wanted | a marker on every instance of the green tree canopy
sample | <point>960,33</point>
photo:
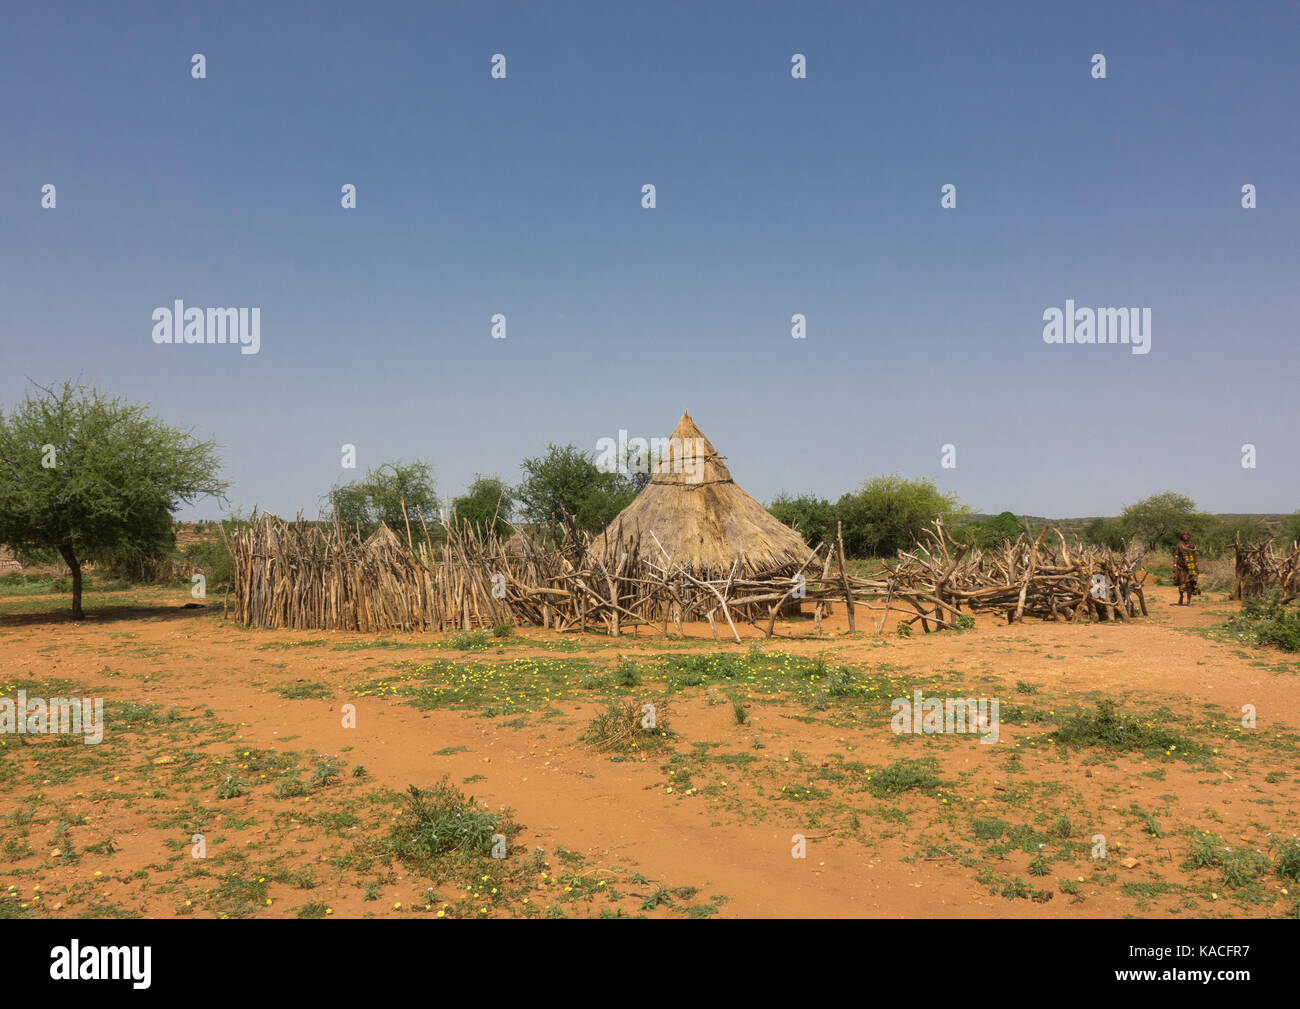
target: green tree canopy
<point>890,513</point>
<point>96,478</point>
<point>486,505</point>
<point>1157,520</point>
<point>1104,532</point>
<point>813,517</point>
<point>378,497</point>
<point>1291,530</point>
<point>567,479</point>
<point>991,532</point>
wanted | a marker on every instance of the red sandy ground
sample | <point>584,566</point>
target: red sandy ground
<point>620,812</point>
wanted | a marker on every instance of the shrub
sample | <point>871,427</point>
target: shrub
<point>440,822</point>
<point>620,728</point>
<point>468,641</point>
<point>380,495</point>
<point>231,788</point>
<point>813,517</point>
<point>1267,623</point>
<point>288,788</point>
<point>326,772</point>
<point>889,513</point>
<point>1158,519</point>
<point>1111,729</point>
<point>211,558</point>
<point>991,532</point>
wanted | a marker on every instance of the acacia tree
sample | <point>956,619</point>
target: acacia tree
<point>380,497</point>
<point>95,477</point>
<point>890,513</point>
<point>566,479</point>
<point>486,505</point>
<point>1157,520</point>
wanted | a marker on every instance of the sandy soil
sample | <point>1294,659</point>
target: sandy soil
<point>623,816</point>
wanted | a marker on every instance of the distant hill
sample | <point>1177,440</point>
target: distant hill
<point>1271,520</point>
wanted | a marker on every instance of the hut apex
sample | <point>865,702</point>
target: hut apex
<point>695,513</point>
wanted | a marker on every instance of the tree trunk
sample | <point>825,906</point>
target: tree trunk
<point>74,565</point>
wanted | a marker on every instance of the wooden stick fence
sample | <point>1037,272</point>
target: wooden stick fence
<point>321,576</point>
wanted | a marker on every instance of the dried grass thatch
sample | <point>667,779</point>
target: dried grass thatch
<point>697,517</point>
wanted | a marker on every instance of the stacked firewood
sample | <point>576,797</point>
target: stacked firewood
<point>1261,568</point>
<point>1030,576</point>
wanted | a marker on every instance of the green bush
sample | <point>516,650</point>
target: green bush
<point>1111,729</point>
<point>991,533</point>
<point>486,505</point>
<point>904,775</point>
<point>566,480</point>
<point>212,559</point>
<point>1103,532</point>
<point>441,821</point>
<point>1267,623</point>
<point>813,517</point>
<point>890,513</point>
<point>1157,520</point>
<point>380,495</point>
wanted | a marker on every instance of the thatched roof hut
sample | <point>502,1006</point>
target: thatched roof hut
<point>701,517</point>
<point>383,540</point>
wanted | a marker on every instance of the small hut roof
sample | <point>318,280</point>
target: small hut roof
<point>700,516</point>
<point>383,538</point>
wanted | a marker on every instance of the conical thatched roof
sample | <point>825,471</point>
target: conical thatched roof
<point>382,539</point>
<point>701,516</point>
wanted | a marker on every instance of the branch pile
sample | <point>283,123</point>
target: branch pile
<point>1262,568</point>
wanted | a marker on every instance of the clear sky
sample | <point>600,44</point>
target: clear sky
<point>775,196</point>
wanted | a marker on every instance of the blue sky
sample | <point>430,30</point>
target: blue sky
<point>775,196</point>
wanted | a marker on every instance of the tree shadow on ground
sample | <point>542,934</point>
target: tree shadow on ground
<point>103,615</point>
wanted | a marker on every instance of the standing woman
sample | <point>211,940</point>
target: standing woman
<point>1185,568</point>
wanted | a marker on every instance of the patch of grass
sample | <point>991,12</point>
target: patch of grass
<point>626,725</point>
<point>1267,623</point>
<point>988,830</point>
<point>303,691</point>
<point>468,641</point>
<point>1239,867</point>
<point>326,772</point>
<point>288,788</point>
<point>1109,728</point>
<point>442,822</point>
<point>904,775</point>
<point>231,788</point>
<point>1016,889</point>
<point>1287,861</point>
